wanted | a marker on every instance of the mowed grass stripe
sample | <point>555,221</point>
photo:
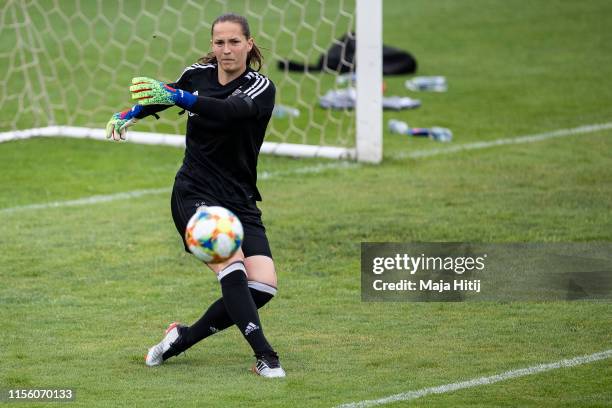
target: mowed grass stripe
<point>98,199</point>
<point>267,175</point>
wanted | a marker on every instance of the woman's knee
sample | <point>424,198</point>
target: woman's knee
<point>260,268</point>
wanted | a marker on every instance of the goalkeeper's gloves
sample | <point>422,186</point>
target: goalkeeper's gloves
<point>152,92</point>
<point>116,128</point>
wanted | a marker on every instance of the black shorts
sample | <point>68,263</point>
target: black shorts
<point>186,199</point>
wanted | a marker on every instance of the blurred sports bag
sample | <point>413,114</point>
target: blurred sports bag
<point>341,58</point>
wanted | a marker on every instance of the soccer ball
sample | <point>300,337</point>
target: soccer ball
<point>214,234</point>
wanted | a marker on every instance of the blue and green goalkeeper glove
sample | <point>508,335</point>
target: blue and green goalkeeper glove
<point>152,92</point>
<point>116,128</point>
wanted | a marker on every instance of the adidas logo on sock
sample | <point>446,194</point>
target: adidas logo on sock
<point>213,329</point>
<point>251,327</point>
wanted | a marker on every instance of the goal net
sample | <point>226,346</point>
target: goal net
<point>68,64</point>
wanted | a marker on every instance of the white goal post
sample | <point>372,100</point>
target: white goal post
<point>369,92</point>
<point>67,66</point>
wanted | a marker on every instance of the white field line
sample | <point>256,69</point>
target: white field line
<point>418,154</point>
<point>476,382</point>
<point>97,199</point>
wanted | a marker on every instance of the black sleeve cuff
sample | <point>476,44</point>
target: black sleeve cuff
<point>149,110</point>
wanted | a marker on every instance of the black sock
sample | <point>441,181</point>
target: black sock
<point>241,307</point>
<point>216,318</point>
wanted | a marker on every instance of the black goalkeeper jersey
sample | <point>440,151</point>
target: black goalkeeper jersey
<point>225,130</point>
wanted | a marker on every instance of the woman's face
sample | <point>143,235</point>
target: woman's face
<point>230,46</point>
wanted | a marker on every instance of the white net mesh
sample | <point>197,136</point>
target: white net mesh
<point>70,62</point>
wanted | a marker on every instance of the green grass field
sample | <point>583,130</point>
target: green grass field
<point>86,289</point>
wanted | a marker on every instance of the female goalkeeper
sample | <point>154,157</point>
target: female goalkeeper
<point>229,106</point>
